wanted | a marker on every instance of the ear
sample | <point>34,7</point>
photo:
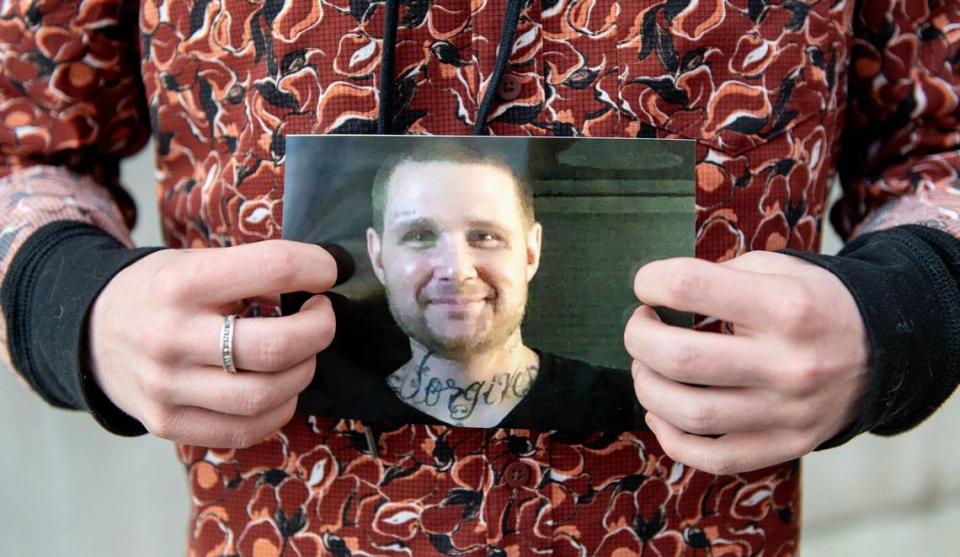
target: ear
<point>534,242</point>
<point>374,250</point>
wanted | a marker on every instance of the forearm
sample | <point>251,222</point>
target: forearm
<point>899,165</point>
<point>906,282</point>
<point>63,239</point>
<point>37,196</point>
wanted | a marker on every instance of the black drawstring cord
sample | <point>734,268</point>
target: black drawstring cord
<point>388,49</point>
<point>504,49</point>
<point>384,117</point>
<point>385,112</point>
<point>387,63</point>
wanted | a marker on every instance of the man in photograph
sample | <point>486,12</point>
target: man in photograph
<point>455,244</point>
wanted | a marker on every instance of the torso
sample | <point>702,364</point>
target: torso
<point>758,86</point>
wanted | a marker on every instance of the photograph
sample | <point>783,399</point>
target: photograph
<point>479,278</point>
<point>492,277</point>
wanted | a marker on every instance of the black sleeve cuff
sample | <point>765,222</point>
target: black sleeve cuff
<point>905,282</point>
<point>47,295</point>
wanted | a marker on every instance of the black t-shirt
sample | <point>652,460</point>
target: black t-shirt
<point>568,395</point>
<point>905,280</point>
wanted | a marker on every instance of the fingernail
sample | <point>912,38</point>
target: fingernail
<point>345,264</point>
<point>646,418</point>
<point>628,313</point>
<point>340,303</point>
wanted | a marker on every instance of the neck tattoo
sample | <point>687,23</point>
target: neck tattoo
<point>419,389</point>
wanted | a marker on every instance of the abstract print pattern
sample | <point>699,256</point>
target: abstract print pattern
<point>314,489</point>
<point>776,93</point>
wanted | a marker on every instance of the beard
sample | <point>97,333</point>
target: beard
<point>505,319</point>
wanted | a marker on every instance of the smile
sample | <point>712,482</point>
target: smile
<point>456,302</point>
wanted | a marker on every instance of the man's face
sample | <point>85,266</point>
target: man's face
<point>455,256</point>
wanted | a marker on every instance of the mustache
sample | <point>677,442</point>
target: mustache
<point>447,290</point>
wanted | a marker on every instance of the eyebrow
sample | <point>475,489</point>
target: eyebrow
<point>402,224</point>
<point>481,223</point>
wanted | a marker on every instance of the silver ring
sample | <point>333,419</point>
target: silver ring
<point>226,343</point>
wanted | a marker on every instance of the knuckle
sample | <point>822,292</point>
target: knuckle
<point>251,402</point>
<point>684,282</point>
<point>274,351</point>
<point>673,450</point>
<point>756,259</point>
<point>173,286</point>
<point>281,418</point>
<point>239,440</point>
<point>161,422</point>
<point>804,382</point>
<point>798,416</point>
<point>250,439</point>
<point>804,374</point>
<point>247,436</point>
<point>797,311</point>
<point>261,429</point>
<point>156,386</point>
<point>164,346</point>
<point>718,466</point>
<point>276,262</point>
<point>682,358</point>
<point>288,412</point>
<point>804,444</point>
<point>193,347</point>
<point>700,419</point>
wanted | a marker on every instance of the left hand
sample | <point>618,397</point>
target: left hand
<point>790,377</point>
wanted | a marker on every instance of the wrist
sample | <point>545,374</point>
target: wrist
<point>47,295</point>
<point>904,281</point>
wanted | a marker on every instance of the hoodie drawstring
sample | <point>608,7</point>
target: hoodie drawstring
<point>385,113</point>
<point>371,440</point>
<point>504,49</point>
<point>391,24</point>
<point>387,58</point>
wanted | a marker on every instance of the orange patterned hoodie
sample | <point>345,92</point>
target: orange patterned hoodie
<point>781,97</point>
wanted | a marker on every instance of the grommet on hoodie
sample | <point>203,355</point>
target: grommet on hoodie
<point>371,440</point>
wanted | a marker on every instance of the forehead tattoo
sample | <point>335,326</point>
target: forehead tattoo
<point>399,215</point>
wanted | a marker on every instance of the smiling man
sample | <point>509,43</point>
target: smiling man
<point>455,244</point>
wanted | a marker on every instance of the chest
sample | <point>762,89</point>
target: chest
<point>758,84</point>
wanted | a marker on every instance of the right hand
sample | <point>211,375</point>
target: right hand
<point>154,338</point>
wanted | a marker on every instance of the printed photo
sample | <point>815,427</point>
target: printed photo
<point>493,276</point>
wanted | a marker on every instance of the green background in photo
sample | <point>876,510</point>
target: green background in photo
<point>607,206</point>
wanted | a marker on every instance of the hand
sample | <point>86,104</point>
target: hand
<point>155,340</point>
<point>790,377</point>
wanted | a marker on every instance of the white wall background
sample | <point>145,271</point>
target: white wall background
<point>69,488</point>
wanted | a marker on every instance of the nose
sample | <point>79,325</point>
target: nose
<point>454,262</point>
